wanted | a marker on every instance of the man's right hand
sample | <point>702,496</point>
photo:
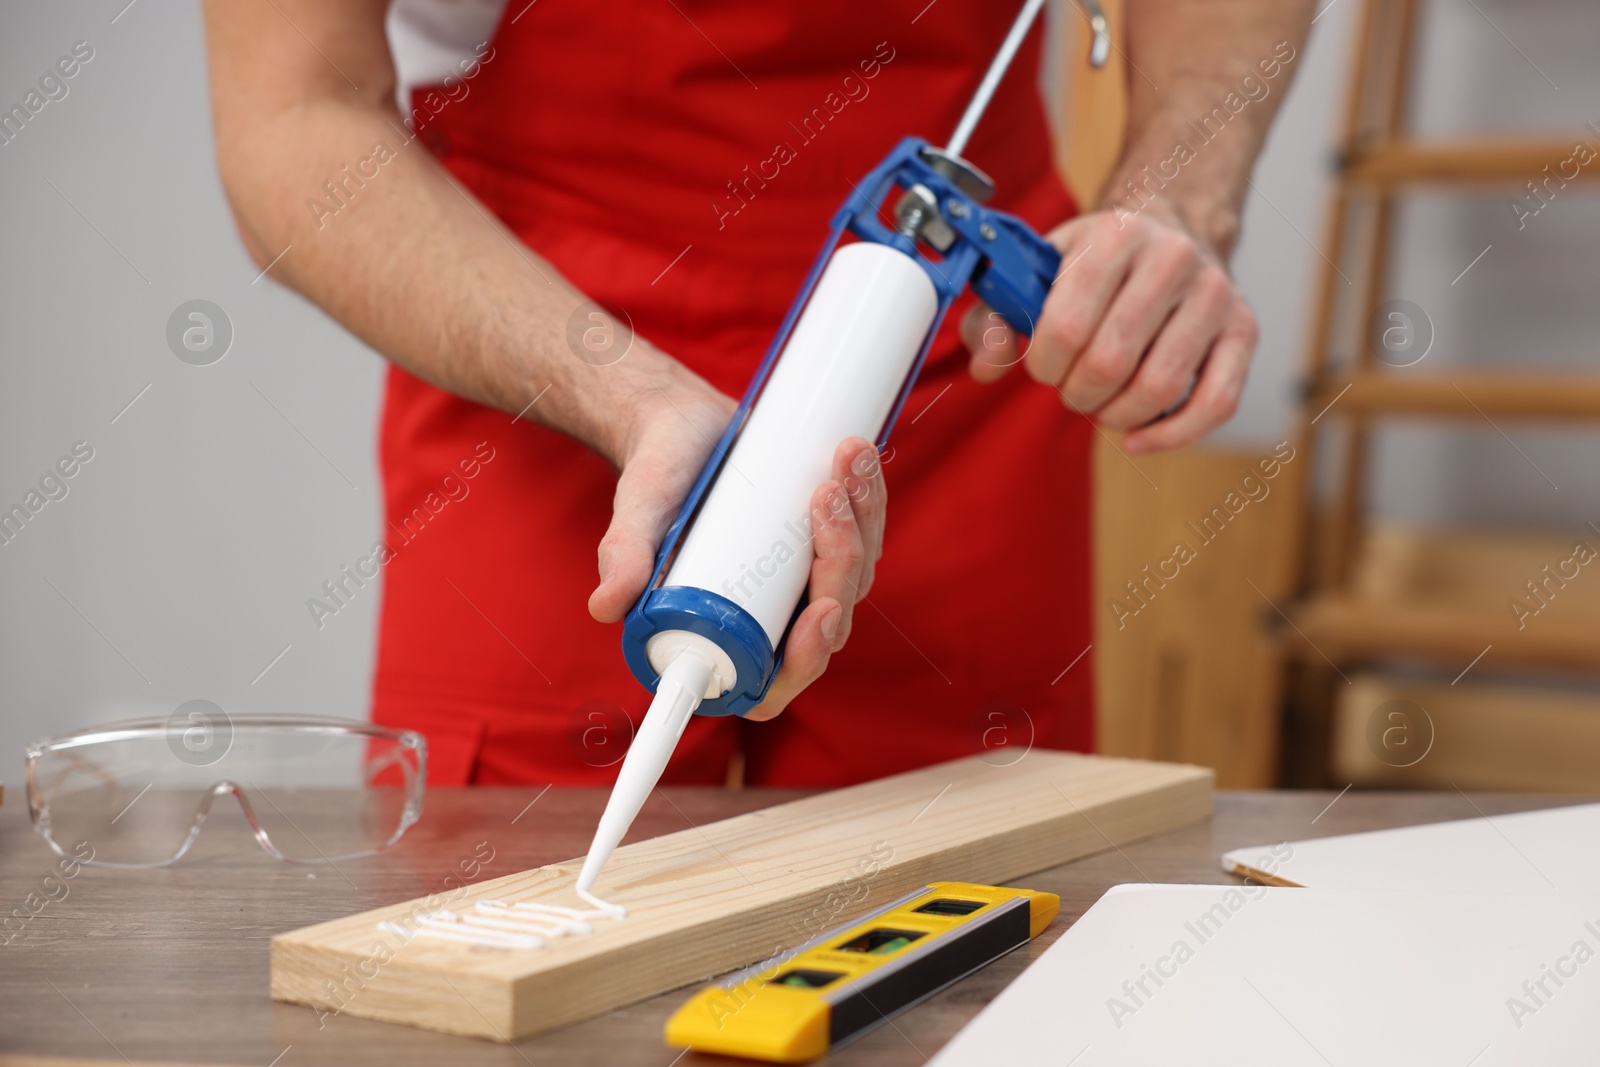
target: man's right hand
<point>672,434</point>
<point>659,453</point>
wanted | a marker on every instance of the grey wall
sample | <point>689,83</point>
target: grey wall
<point>178,564</point>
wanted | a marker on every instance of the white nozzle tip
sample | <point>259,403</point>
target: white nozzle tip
<point>678,694</point>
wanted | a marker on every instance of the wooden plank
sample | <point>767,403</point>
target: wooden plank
<point>1497,737</point>
<point>1485,161</point>
<point>1193,676</point>
<point>1467,395</point>
<point>705,900</point>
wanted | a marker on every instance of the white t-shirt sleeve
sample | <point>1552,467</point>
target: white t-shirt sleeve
<point>428,38</point>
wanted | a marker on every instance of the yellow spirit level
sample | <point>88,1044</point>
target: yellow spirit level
<point>838,986</point>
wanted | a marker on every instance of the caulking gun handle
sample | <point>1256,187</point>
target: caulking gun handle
<point>1018,269</point>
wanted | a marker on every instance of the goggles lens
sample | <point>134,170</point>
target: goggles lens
<point>312,790</point>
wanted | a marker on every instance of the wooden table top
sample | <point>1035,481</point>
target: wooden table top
<point>171,965</point>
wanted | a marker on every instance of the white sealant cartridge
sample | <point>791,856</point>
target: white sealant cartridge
<point>841,372</point>
<point>713,626</point>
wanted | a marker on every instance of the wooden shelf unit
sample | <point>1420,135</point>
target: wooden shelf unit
<point>1472,743</point>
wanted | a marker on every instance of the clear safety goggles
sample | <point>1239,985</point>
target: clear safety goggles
<point>313,790</point>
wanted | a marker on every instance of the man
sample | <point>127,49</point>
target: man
<point>575,249</point>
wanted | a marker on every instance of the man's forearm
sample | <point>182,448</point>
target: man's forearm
<point>410,261</point>
<point>1206,78</point>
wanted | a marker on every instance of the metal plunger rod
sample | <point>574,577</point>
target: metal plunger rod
<point>991,80</point>
<point>1099,49</point>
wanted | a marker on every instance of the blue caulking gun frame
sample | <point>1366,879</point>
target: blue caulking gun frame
<point>1008,266</point>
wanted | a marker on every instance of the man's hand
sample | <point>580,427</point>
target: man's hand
<point>671,436</point>
<point>1143,331</point>
<point>422,272</point>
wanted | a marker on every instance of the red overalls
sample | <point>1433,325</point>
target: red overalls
<point>615,140</point>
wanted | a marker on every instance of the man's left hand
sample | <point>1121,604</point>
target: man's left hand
<point>1143,331</point>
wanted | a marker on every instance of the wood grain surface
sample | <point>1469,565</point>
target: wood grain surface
<point>707,899</point>
<point>171,965</point>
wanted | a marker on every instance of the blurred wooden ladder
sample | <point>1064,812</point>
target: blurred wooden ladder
<point>1372,593</point>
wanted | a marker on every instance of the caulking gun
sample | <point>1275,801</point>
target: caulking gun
<point>707,634</point>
